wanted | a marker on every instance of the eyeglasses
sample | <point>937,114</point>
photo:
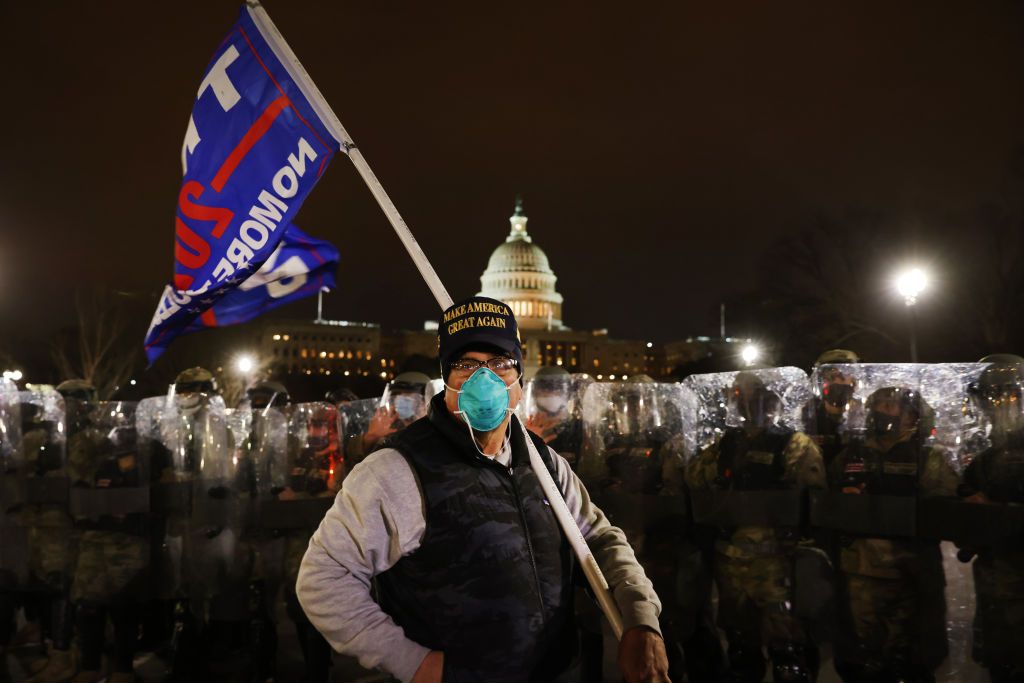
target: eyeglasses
<point>502,366</point>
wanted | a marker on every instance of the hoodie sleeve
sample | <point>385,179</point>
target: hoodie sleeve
<point>377,517</point>
<point>632,590</point>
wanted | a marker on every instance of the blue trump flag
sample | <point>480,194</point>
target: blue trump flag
<point>256,144</point>
<point>300,266</point>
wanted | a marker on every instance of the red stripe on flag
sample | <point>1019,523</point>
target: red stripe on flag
<point>208,318</point>
<point>281,90</point>
<point>256,131</point>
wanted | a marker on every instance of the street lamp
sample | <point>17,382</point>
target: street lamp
<point>910,282</point>
<point>244,363</point>
<point>750,354</point>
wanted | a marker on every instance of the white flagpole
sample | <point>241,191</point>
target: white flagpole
<point>291,63</point>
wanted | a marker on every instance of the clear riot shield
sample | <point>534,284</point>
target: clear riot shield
<point>356,418</point>
<point>315,468</point>
<point>109,501</point>
<point>266,447</point>
<point>633,458</point>
<point>44,476</point>
<point>893,413</point>
<point>109,475</point>
<point>201,496</point>
<point>891,499</point>
<point>13,536</point>
<point>632,464</point>
<point>552,407</point>
<point>738,427</point>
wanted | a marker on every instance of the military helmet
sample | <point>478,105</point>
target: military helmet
<point>410,381</point>
<point>195,380</point>
<point>551,377</point>
<point>80,389</point>
<point>551,371</point>
<point>1000,389</point>
<point>752,401</point>
<point>275,393</point>
<point>341,395</point>
<point>837,357</point>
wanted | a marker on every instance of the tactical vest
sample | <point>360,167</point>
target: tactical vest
<point>491,583</point>
<point>753,463</point>
<point>893,473</point>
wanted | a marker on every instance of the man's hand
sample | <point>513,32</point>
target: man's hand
<point>431,668</point>
<point>380,427</point>
<point>642,657</point>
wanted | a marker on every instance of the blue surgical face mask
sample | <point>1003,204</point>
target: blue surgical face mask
<point>407,405</point>
<point>483,400</point>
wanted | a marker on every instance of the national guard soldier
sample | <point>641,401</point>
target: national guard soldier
<point>995,477</point>
<point>206,563</point>
<point>892,603</point>
<point>551,405</point>
<point>634,466</point>
<point>826,413</point>
<point>750,482</point>
<point>263,472</point>
<point>402,404</point>
<point>315,475</point>
<point>50,535</point>
<point>109,503</point>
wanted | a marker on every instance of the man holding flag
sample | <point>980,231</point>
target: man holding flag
<point>259,138</point>
<point>473,573</point>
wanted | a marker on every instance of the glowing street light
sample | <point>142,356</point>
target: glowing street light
<point>910,282</point>
<point>750,354</point>
<point>244,363</point>
<point>13,375</point>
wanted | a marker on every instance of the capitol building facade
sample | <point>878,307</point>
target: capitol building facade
<point>518,273</point>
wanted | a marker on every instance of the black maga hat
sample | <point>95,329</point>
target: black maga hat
<point>478,320</point>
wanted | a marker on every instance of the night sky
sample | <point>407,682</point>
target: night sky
<point>660,148</point>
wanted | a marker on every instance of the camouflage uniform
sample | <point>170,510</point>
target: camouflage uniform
<point>753,565</point>
<point>113,549</point>
<point>893,588</point>
<point>51,538</point>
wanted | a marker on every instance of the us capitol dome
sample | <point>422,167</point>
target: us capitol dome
<point>519,274</point>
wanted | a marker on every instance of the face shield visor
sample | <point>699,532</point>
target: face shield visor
<point>549,396</point>
<point>893,414</point>
<point>191,396</point>
<point>999,396</point>
<point>755,407</point>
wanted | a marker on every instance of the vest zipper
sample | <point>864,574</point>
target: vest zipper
<point>529,544</point>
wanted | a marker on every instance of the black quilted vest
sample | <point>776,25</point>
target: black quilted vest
<point>491,583</point>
